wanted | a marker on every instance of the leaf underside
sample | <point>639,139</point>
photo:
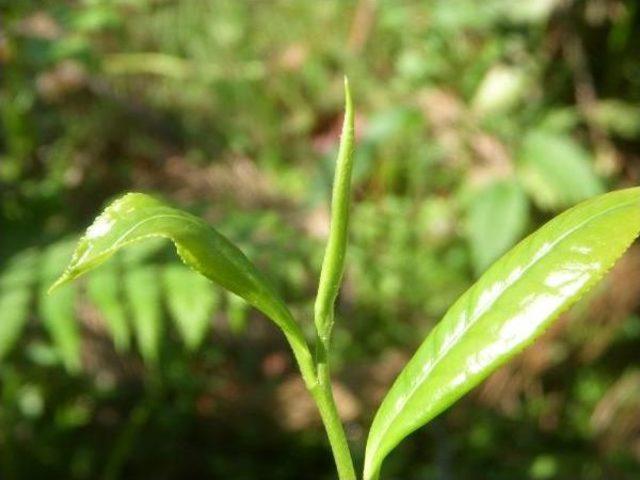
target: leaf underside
<point>509,306</point>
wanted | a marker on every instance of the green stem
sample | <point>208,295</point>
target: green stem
<point>323,395</point>
<point>304,359</point>
<point>329,285</point>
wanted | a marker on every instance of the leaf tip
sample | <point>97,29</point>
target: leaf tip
<point>347,95</point>
<point>62,280</point>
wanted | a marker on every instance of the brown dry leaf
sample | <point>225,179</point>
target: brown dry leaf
<point>443,109</point>
<point>495,161</point>
<point>99,357</point>
<point>623,395</point>
<point>296,410</point>
<point>326,133</point>
<point>275,364</point>
<point>381,374</point>
<point>236,178</point>
<point>611,308</point>
<point>445,113</point>
<point>317,223</point>
<point>67,77</point>
<point>6,53</point>
<point>362,25</point>
<point>40,25</point>
<point>293,57</point>
<point>616,418</point>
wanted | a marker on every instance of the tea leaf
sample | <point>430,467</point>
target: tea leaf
<point>511,305</point>
<point>136,217</point>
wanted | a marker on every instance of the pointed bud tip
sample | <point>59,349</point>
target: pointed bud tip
<point>347,87</point>
<point>347,97</point>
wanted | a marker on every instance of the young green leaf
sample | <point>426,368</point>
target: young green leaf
<point>328,288</point>
<point>136,217</point>
<point>333,262</point>
<point>511,305</point>
<point>143,293</point>
<point>191,300</point>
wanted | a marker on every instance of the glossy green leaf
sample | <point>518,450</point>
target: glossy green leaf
<point>58,311</point>
<point>556,170</point>
<point>16,281</point>
<point>511,305</point>
<point>496,219</point>
<point>192,300</point>
<point>142,290</point>
<point>103,289</point>
<point>136,217</point>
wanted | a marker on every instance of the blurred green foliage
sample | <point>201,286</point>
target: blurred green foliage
<point>477,121</point>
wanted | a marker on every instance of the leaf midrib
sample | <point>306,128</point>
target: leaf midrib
<point>122,239</point>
